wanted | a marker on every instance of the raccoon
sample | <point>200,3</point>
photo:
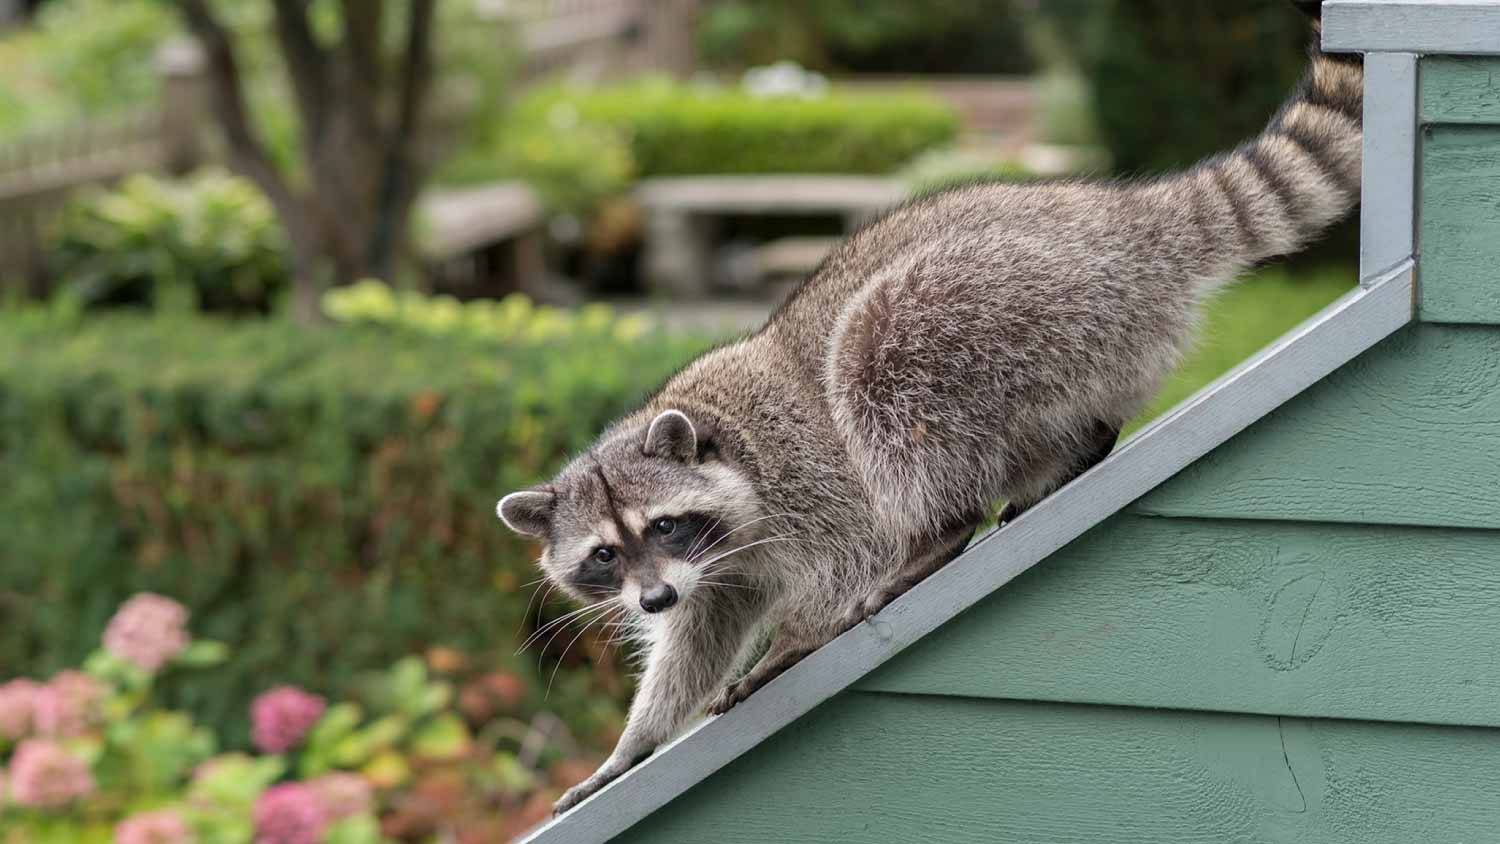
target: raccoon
<point>981,344</point>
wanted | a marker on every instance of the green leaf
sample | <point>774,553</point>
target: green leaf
<point>203,653</point>
<point>444,737</point>
<point>356,829</point>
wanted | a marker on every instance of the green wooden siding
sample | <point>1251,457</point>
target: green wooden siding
<point>1407,434</point>
<point>874,769</point>
<point>1460,89</point>
<point>1331,621</point>
<point>1460,190</point>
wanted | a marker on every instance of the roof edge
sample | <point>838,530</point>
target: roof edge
<point>1452,27</point>
<point>1294,362</point>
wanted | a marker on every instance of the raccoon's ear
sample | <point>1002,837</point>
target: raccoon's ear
<point>672,436</point>
<point>528,512</point>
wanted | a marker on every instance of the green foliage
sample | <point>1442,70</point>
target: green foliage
<point>513,319</point>
<point>322,499</point>
<point>571,167</point>
<point>85,58</point>
<point>357,764</point>
<point>209,242</point>
<point>946,168</point>
<point>1173,82</point>
<point>1242,320</point>
<point>938,36</point>
<point>82,58</point>
<point>675,129</point>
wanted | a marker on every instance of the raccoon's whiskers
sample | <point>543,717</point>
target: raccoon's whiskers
<point>694,559</point>
<point>704,531</point>
<point>785,537</point>
<point>559,620</point>
<point>560,657</point>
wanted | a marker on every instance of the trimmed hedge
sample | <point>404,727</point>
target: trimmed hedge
<point>674,129</point>
<point>322,499</point>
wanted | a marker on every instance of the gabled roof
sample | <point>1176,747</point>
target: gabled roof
<point>1293,363</point>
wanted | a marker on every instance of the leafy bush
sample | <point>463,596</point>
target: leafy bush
<point>939,36</point>
<point>1173,82</point>
<point>675,129</point>
<point>512,319</point>
<point>210,242</point>
<point>572,168</point>
<point>82,57</point>
<point>324,499</point>
<point>93,756</point>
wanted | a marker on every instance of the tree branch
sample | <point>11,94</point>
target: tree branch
<point>247,153</point>
<point>364,26</point>
<point>401,176</point>
<point>307,63</point>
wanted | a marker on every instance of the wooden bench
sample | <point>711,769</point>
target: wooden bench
<point>472,236</point>
<point>682,213</point>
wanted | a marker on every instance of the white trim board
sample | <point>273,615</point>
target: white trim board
<point>1296,361</point>
<point>1451,27</point>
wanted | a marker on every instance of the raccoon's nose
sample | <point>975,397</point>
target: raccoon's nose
<point>658,598</point>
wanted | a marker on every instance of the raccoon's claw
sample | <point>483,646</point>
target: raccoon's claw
<point>867,606</point>
<point>732,694</point>
<point>575,795</point>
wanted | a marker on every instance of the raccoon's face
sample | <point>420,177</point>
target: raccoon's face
<point>647,517</point>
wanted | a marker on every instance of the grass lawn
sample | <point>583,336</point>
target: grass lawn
<point>1242,320</point>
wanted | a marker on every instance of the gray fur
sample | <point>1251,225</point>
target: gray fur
<point>981,344</point>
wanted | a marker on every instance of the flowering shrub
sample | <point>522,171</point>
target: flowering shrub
<point>88,757</point>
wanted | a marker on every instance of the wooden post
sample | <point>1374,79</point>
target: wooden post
<point>183,105</point>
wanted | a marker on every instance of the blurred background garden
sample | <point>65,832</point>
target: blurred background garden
<point>291,291</point>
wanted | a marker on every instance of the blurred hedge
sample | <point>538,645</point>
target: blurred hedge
<point>674,129</point>
<point>322,499</point>
<point>1173,82</point>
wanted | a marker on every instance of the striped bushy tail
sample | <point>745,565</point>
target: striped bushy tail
<point>1301,174</point>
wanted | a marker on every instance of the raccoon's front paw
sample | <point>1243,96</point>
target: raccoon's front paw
<point>863,608</point>
<point>732,694</point>
<point>607,773</point>
<point>575,795</point>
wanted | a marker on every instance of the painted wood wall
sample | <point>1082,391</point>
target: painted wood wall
<point>1297,639</point>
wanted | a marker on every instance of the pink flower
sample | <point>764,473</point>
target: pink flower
<point>281,718</point>
<point>147,630</point>
<point>160,827</point>
<point>17,702</point>
<point>45,776</point>
<point>343,795</point>
<point>290,813</point>
<point>67,705</point>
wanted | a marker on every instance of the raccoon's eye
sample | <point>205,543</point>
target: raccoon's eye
<point>665,526</point>
<point>604,555</point>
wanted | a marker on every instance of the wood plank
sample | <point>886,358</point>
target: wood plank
<point>1388,171</point>
<point>1238,616</point>
<point>1460,228</point>
<point>890,768</point>
<point>1461,90</point>
<point>1407,434</point>
<point>1412,26</point>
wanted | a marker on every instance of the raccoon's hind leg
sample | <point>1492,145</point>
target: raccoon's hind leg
<point>950,544</point>
<point>1101,442</point>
